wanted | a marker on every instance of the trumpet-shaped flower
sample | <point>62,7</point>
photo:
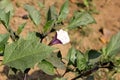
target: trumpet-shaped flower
<point>61,37</point>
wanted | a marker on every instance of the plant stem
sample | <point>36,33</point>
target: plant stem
<point>25,76</point>
<point>12,34</point>
<point>87,72</point>
<point>109,65</point>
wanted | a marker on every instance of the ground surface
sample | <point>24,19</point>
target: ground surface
<point>108,20</point>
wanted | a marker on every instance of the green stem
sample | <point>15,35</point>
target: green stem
<point>13,36</point>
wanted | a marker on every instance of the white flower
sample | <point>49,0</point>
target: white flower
<point>63,36</point>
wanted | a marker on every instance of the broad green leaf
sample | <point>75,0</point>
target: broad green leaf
<point>3,40</point>
<point>63,11</point>
<point>34,14</point>
<point>60,79</point>
<point>4,18</point>
<point>55,60</point>
<point>48,26</point>
<point>81,61</point>
<point>20,28</point>
<point>52,14</point>
<point>81,19</point>
<point>93,56</point>
<point>113,46</point>
<point>7,6</point>
<point>24,54</point>
<point>47,67</point>
<point>32,36</point>
<point>72,55</point>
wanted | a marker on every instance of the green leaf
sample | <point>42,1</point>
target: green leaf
<point>33,13</point>
<point>25,53</point>
<point>32,36</point>
<point>117,64</point>
<point>4,18</point>
<point>47,67</point>
<point>113,46</point>
<point>20,28</point>
<point>93,56</point>
<point>81,19</point>
<point>40,4</point>
<point>71,55</point>
<point>3,40</point>
<point>77,59</point>
<point>86,3</point>
<point>81,61</point>
<point>48,26</point>
<point>52,14</point>
<point>60,79</point>
<point>63,11</point>
<point>55,60</point>
<point>7,6</point>
<point>51,18</point>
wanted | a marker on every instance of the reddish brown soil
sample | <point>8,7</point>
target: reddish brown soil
<point>90,37</point>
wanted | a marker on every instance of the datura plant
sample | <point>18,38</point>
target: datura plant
<point>22,54</point>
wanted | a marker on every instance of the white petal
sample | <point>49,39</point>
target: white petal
<point>63,36</point>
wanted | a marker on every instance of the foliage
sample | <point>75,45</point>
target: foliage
<point>47,67</point>
<point>23,53</point>
<point>4,18</point>
<point>34,14</point>
<point>3,40</point>
<point>7,6</point>
<point>63,11</point>
<point>80,19</point>
<point>20,28</point>
<point>113,47</point>
<point>53,18</point>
